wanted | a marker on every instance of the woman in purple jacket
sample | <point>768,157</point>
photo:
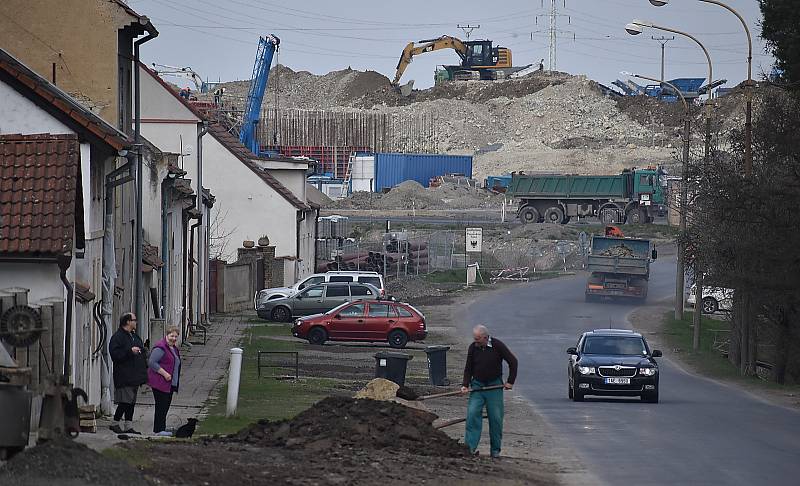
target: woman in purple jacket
<point>164,368</point>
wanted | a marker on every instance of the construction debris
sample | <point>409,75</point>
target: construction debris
<point>618,251</point>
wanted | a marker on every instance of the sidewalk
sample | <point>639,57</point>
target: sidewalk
<point>203,367</point>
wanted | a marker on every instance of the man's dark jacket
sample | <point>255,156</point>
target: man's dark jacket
<point>129,369</point>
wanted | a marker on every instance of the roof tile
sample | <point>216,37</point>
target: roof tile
<point>39,179</point>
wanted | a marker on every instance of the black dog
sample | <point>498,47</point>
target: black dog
<point>186,430</point>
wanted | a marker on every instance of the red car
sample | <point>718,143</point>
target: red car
<point>364,320</point>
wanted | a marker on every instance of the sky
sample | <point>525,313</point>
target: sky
<point>218,39</point>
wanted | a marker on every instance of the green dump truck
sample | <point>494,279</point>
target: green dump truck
<point>635,196</point>
<point>620,267</point>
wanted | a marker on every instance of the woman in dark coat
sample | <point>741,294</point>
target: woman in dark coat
<point>130,371</point>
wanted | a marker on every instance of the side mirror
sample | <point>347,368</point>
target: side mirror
<point>654,254</point>
<point>657,353</point>
<point>572,351</point>
<point>337,316</point>
<point>299,297</point>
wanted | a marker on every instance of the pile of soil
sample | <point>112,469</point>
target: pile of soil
<point>619,251</point>
<point>363,424</point>
<point>68,463</point>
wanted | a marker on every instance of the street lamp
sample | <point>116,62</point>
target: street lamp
<point>635,28</point>
<point>748,124</point>
<point>681,268</point>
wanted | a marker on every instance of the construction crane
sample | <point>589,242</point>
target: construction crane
<point>182,72</point>
<point>479,59</point>
<point>258,86</point>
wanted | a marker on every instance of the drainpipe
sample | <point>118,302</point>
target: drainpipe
<point>63,265</point>
<point>202,258</point>
<point>138,290</point>
<point>166,185</point>
<point>191,263</point>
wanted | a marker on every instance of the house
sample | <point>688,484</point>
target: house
<point>47,221</point>
<point>255,197</point>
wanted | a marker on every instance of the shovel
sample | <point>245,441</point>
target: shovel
<point>458,392</point>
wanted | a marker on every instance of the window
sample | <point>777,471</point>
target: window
<point>376,281</point>
<point>312,293</point>
<point>355,310</point>
<point>337,291</point>
<point>360,290</point>
<point>340,278</point>
<point>311,281</point>
<point>612,345</point>
<point>379,310</point>
<point>404,312</point>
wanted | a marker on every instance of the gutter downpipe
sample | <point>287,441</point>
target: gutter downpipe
<point>166,185</point>
<point>191,263</point>
<point>202,258</point>
<point>137,130</point>
<point>63,265</point>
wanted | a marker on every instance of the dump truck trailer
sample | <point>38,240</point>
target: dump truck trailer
<point>620,267</point>
<point>635,196</point>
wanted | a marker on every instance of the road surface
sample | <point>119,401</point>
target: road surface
<point>702,432</point>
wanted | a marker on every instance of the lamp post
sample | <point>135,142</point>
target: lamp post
<point>680,269</point>
<point>635,28</point>
<point>748,123</point>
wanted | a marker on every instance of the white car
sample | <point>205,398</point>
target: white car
<point>372,278</point>
<point>714,299</point>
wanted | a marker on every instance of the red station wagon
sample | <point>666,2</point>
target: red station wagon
<point>364,320</point>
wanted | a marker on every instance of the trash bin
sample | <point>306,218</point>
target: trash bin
<point>392,366</point>
<point>15,402</point>
<point>437,365</point>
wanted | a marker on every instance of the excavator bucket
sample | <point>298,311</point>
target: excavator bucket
<point>407,88</point>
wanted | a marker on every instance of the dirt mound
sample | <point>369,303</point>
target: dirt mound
<point>67,463</point>
<point>412,195</point>
<point>364,424</point>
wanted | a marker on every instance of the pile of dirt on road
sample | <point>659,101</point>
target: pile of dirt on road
<point>64,462</point>
<point>340,422</point>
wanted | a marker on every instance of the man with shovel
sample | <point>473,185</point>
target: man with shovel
<point>484,370</point>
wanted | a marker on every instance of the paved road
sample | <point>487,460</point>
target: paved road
<point>702,432</point>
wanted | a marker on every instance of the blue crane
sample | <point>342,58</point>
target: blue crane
<point>258,85</point>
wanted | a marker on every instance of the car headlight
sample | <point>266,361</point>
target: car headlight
<point>647,371</point>
<point>586,370</point>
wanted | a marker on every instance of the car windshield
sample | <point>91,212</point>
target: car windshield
<point>376,281</point>
<point>614,345</point>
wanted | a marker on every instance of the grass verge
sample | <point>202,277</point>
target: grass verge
<point>264,398</point>
<point>708,360</point>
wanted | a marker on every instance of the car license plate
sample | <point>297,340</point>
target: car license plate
<point>618,381</point>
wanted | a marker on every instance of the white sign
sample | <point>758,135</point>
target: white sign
<point>474,238</point>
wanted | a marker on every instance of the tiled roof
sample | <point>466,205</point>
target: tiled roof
<point>60,103</point>
<point>233,145</point>
<point>141,19</point>
<point>41,206</point>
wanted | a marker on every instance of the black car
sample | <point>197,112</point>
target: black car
<point>613,362</point>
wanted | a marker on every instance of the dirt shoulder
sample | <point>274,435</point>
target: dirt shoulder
<point>651,322</point>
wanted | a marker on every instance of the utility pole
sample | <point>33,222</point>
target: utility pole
<point>663,41</point>
<point>468,29</point>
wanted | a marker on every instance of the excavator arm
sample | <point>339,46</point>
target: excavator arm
<point>412,49</point>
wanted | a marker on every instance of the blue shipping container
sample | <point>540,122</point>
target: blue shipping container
<point>392,169</point>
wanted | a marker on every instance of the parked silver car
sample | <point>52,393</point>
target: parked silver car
<point>315,300</point>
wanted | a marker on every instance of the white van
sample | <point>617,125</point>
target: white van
<point>372,278</point>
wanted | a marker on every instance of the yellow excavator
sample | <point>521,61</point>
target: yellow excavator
<point>479,59</point>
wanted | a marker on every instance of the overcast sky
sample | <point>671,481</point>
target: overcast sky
<point>218,39</point>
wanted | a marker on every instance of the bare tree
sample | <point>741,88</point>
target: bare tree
<point>219,235</point>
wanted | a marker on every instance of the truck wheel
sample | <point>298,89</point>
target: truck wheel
<point>554,215</point>
<point>636,216</point>
<point>529,214</point>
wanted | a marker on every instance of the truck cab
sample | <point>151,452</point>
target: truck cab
<point>649,187</point>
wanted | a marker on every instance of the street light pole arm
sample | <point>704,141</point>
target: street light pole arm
<point>746,30</point>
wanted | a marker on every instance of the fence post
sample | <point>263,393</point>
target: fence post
<point>234,374</point>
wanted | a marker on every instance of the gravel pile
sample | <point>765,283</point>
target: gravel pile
<point>412,195</point>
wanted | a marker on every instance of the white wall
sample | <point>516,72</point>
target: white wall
<point>42,279</point>
<point>247,207</point>
<point>21,115</point>
<point>293,179</point>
